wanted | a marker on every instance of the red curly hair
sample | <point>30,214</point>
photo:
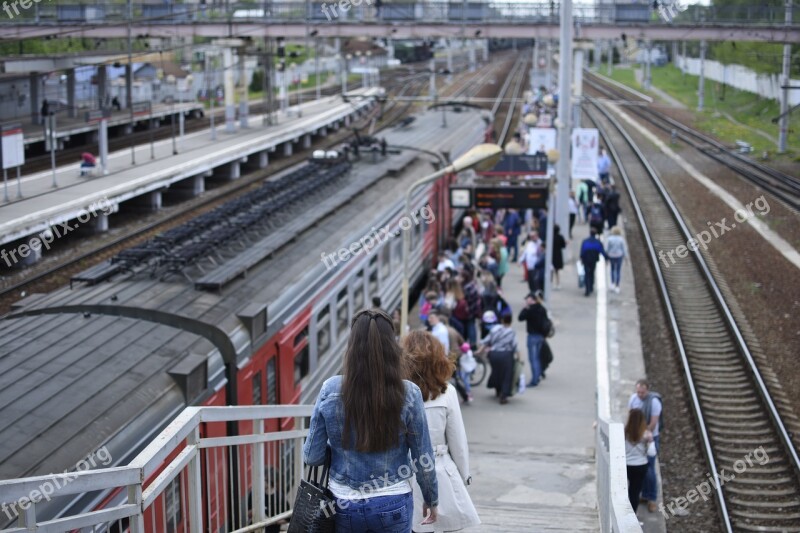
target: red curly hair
<point>427,364</point>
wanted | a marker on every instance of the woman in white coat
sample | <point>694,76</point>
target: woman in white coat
<point>430,369</point>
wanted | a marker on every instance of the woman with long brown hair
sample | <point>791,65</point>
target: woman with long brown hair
<point>637,439</point>
<point>430,369</point>
<point>371,418</point>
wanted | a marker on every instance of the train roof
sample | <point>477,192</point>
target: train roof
<point>92,359</point>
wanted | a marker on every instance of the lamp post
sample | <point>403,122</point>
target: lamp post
<point>481,156</point>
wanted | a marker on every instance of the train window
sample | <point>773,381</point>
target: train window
<point>358,292</point>
<point>172,505</point>
<point>386,261</point>
<point>323,330</point>
<point>301,361</point>
<point>257,388</point>
<point>300,337</point>
<point>373,283</point>
<point>418,229</point>
<point>272,382</point>
<point>397,250</point>
<point>342,311</point>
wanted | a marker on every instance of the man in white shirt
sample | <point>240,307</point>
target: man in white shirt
<point>439,330</point>
<point>530,254</point>
<point>650,403</point>
<point>444,263</point>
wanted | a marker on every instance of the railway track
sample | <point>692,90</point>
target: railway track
<point>59,274</point>
<point>784,187</point>
<point>516,78</point>
<point>747,447</point>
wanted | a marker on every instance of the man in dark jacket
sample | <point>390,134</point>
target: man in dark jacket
<point>511,227</point>
<point>535,317</point>
<point>591,250</point>
<point>475,304</point>
<point>611,206</point>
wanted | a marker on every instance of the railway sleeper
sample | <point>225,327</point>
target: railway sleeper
<point>766,481</point>
<point>759,493</point>
<point>766,529</point>
<point>766,433</point>
<point>744,425</point>
<point>757,469</point>
<point>744,513</point>
<point>782,504</point>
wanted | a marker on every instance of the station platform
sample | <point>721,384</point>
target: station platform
<point>67,127</point>
<point>156,168</point>
<point>533,461</point>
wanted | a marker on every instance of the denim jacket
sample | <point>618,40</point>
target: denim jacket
<point>363,470</point>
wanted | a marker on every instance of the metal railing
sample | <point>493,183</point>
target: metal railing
<point>98,12</point>
<point>232,469</point>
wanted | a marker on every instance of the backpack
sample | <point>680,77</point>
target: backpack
<point>648,406</point>
<point>596,215</point>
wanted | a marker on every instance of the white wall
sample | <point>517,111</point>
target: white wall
<point>767,85</point>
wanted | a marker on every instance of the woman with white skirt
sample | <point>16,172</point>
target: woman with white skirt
<point>430,369</point>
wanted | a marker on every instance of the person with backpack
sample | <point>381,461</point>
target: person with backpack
<point>597,217</point>
<point>538,326</point>
<point>651,405</point>
<point>591,250</point>
<point>611,206</point>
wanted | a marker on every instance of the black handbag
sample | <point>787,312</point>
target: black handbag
<point>314,506</point>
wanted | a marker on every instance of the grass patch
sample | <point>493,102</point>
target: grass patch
<point>748,110</point>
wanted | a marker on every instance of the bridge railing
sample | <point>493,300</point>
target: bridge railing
<point>230,469</point>
<point>668,12</point>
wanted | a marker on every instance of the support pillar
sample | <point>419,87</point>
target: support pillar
<point>198,185</point>
<point>683,58</point>
<point>701,91</point>
<point>100,223</point>
<point>102,79</point>
<point>578,88</point>
<point>675,53</point>
<point>244,106</point>
<point>234,170</point>
<point>549,59</point>
<point>230,110</point>
<point>102,135</point>
<point>263,159</point>
<point>486,49</point>
<point>535,77</point>
<point>72,112</point>
<point>306,141</point>
<point>596,56</point>
<point>323,132</point>
<point>287,149</point>
<point>610,58</point>
<point>647,63</point>
<point>472,60</point>
<point>783,122</point>
<point>33,87</point>
<point>30,252</point>
<point>152,200</point>
<point>128,88</point>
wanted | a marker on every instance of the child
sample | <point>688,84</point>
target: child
<point>431,299</point>
<point>466,365</point>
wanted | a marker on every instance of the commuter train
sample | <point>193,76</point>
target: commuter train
<point>117,361</point>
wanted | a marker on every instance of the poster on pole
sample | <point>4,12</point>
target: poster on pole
<point>585,149</point>
<point>13,148</point>
<point>541,140</point>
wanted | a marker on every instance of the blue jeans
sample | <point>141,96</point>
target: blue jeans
<point>388,514</point>
<point>535,342</point>
<point>650,486</point>
<point>616,267</point>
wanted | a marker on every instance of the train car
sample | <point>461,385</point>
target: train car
<point>110,365</point>
<point>413,52</point>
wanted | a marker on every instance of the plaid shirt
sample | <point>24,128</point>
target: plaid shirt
<point>473,298</point>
